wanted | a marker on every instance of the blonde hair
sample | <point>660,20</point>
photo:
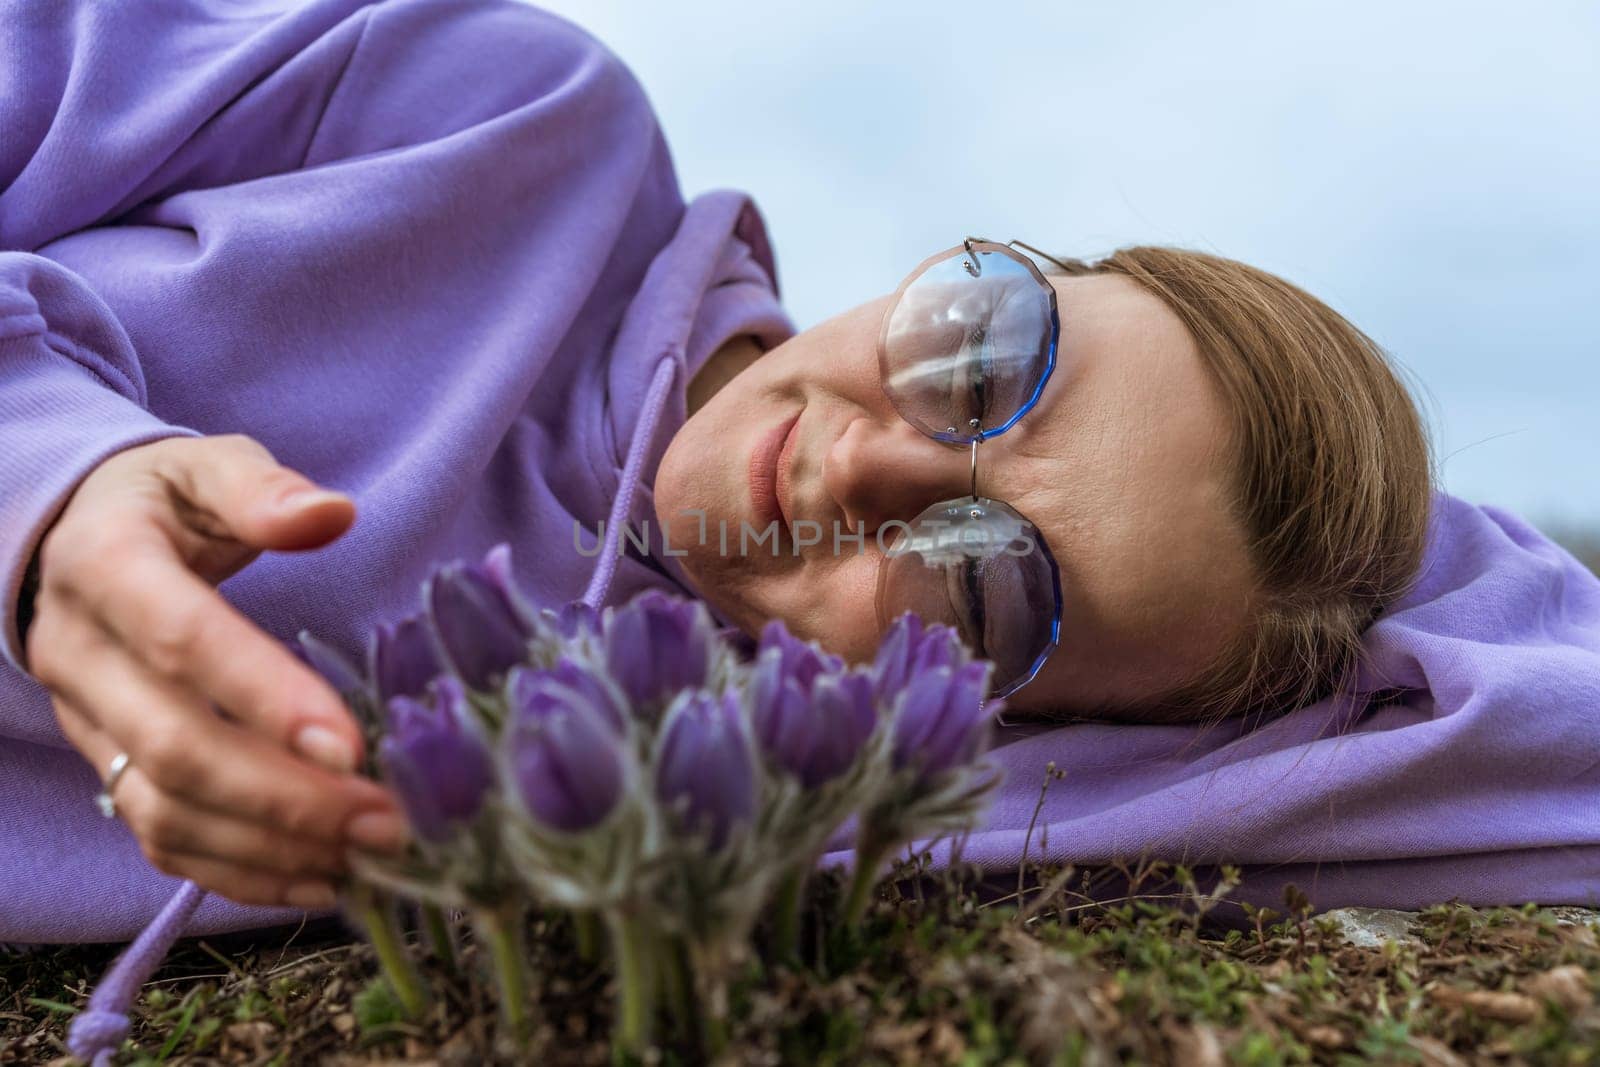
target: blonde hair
<point>1333,476</point>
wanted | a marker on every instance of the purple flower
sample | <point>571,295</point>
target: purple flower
<point>329,662</point>
<point>942,721</point>
<point>810,717</point>
<point>567,685</point>
<point>436,760</point>
<point>480,629</point>
<point>705,772</point>
<point>401,659</point>
<point>565,748</point>
<point>574,619</point>
<point>797,659</point>
<point>497,565</point>
<point>908,649</point>
<point>659,645</point>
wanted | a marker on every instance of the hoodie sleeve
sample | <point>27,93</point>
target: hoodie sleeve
<point>108,109</point>
<point>71,394</point>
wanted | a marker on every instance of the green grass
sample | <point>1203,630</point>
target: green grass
<point>936,976</point>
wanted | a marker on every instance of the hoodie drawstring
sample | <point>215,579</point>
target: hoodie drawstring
<point>655,399</point>
<point>100,1030</point>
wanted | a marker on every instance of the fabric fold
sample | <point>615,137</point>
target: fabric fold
<point>1466,763</point>
<point>396,244</point>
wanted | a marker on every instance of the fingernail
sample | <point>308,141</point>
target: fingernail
<point>321,745</point>
<point>304,496</point>
<point>378,831</point>
<point>311,896</point>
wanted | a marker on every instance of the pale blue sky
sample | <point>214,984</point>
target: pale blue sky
<point>1430,169</point>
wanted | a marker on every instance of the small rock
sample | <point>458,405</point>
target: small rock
<point>1567,986</point>
<point>1572,915</point>
<point>1195,1044</point>
<point>1373,927</point>
<point>253,1035</point>
<point>946,1042</point>
<point>1435,1053</point>
<point>1491,1004</point>
<point>1325,1036</point>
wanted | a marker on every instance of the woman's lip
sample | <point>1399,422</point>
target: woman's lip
<point>780,479</point>
<point>766,474</point>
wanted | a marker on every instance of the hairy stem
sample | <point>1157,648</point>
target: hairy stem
<point>375,912</point>
<point>501,930</point>
<point>586,930</point>
<point>677,983</point>
<point>870,852</point>
<point>439,937</point>
<point>711,998</point>
<point>632,945</point>
<point>786,914</point>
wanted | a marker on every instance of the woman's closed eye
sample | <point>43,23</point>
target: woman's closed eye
<point>970,608</point>
<point>974,365</point>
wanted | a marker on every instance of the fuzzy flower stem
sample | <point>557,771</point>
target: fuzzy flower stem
<point>870,852</point>
<point>501,930</point>
<point>375,912</point>
<point>438,931</point>
<point>677,979</point>
<point>711,997</point>
<point>586,930</point>
<point>632,944</point>
<point>786,914</point>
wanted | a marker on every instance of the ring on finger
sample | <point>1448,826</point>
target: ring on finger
<point>104,800</point>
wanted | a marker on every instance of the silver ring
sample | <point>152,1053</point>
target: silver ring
<point>104,800</point>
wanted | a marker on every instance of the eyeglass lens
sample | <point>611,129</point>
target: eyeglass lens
<point>958,346</point>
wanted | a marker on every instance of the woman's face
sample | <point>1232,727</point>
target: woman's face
<point>1121,466</point>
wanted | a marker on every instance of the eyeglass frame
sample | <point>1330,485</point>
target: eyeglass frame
<point>974,269</point>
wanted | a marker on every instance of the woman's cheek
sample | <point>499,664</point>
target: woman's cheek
<point>833,603</point>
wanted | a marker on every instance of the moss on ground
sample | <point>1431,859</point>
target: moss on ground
<point>944,976</point>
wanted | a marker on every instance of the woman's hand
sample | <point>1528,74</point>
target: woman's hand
<point>135,646</point>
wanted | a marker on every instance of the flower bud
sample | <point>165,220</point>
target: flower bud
<point>575,619</point>
<point>331,664</point>
<point>705,771</point>
<point>942,721</point>
<point>658,645</point>
<point>797,659</point>
<point>480,630</point>
<point>813,722</point>
<point>496,565</point>
<point>436,760</point>
<point>909,648</point>
<point>401,659</point>
<point>565,752</point>
<point>567,685</point>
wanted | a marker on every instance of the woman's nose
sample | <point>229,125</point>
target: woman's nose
<point>878,472</point>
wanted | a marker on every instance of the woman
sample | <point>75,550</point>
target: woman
<point>434,254</point>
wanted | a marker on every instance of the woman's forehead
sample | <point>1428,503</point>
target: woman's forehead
<point>1123,467</point>
<point>1130,404</point>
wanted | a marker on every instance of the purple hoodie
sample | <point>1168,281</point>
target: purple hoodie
<point>1479,781</point>
<point>433,254</point>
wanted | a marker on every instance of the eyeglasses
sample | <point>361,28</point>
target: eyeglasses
<point>966,347</point>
